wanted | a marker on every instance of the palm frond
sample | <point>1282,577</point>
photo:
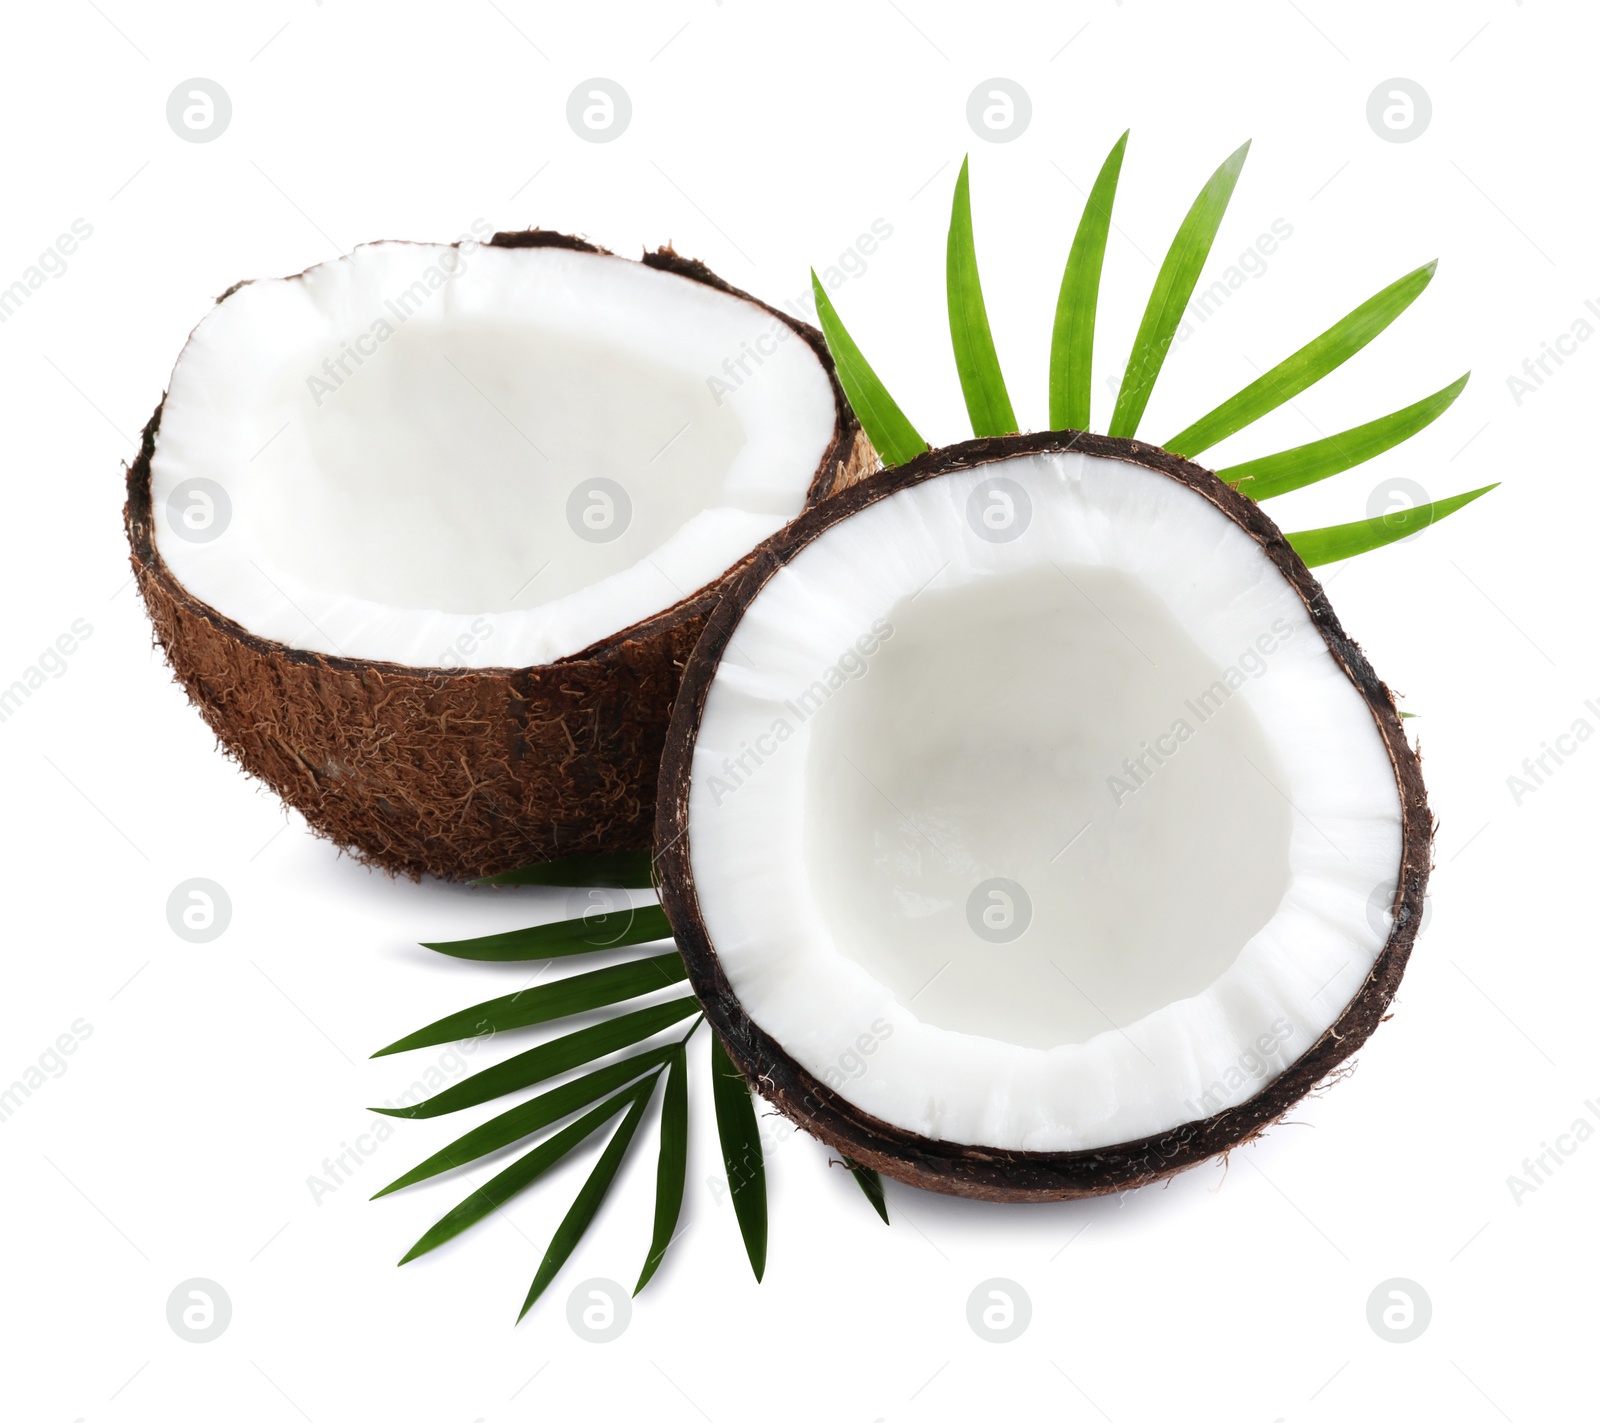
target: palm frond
<point>1271,475</point>
<point>1305,367</point>
<point>1338,541</point>
<point>1175,281</point>
<point>578,1219</point>
<point>977,364</point>
<point>871,1187</point>
<point>542,1002</point>
<point>523,1172</point>
<point>893,436</point>
<point>742,1158</point>
<point>644,924</point>
<point>1072,338</point>
<point>533,1115</point>
<point>671,1164</point>
<point>551,1059</point>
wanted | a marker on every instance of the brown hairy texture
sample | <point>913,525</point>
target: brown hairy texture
<point>454,772</point>
<point>982,1172</point>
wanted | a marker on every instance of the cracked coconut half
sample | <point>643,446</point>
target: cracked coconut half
<point>1023,815</point>
<point>428,531</point>
<point>1029,826</point>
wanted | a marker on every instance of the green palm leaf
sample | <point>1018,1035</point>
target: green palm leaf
<point>1180,270</point>
<point>577,1219</point>
<point>1347,540</point>
<point>1305,367</point>
<point>870,1182</point>
<point>551,1059</point>
<point>617,869</point>
<point>740,1135</point>
<point>1272,475</point>
<point>672,1164</point>
<point>576,994</point>
<point>893,436</point>
<point>1072,341</point>
<point>528,1117</point>
<point>643,924</point>
<point>978,365</point>
<point>523,1172</point>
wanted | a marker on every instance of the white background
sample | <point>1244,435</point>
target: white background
<point>765,139</point>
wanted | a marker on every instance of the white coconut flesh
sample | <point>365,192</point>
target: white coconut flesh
<point>419,450</point>
<point>1125,711</point>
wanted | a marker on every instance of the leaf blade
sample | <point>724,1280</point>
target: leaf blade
<point>528,1117</point>
<point>983,385</point>
<point>672,1163</point>
<point>740,1136</point>
<point>893,436</point>
<point>871,1184</point>
<point>616,869</point>
<point>1305,367</point>
<point>550,1059</point>
<point>521,1174</point>
<point>577,993</point>
<point>1174,285</point>
<point>1077,303</point>
<point>582,1213</point>
<point>1275,474</point>
<point>1336,541</point>
<point>646,923</point>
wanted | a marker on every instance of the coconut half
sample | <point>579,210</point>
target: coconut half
<point>427,532</point>
<point>1029,825</point>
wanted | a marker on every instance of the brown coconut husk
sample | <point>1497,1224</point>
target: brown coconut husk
<point>455,772</point>
<point>981,1172</point>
